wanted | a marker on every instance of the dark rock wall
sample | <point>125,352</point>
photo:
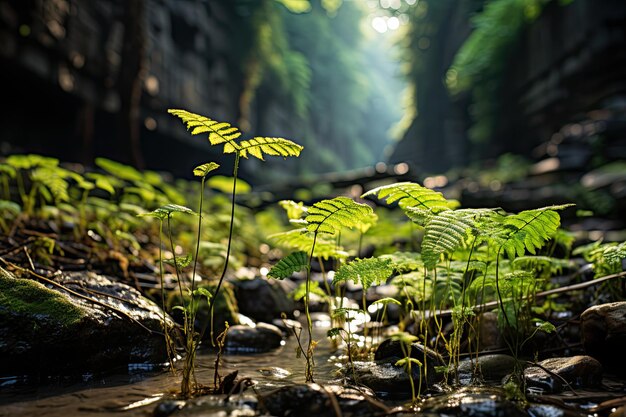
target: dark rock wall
<point>61,63</point>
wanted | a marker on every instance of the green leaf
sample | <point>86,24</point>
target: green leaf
<point>181,261</point>
<point>119,170</point>
<point>31,161</point>
<point>446,231</point>
<point>290,264</point>
<point>329,216</point>
<point>203,292</point>
<point>225,184</point>
<point>335,332</point>
<point>529,230</point>
<point>10,207</point>
<point>365,272</point>
<point>404,261</point>
<point>259,146</point>
<point>294,210</point>
<point>204,169</point>
<point>387,300</point>
<point>53,178</point>
<point>104,182</point>
<point>409,194</point>
<point>302,240</point>
<point>219,132</point>
<point>404,338</point>
<point>404,362</point>
<point>314,288</point>
<point>167,210</point>
<point>296,6</point>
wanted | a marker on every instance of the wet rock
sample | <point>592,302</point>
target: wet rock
<point>275,372</point>
<point>287,326</point>
<point>489,335</point>
<point>549,410</point>
<point>167,408</point>
<point>474,402</point>
<point>225,310</point>
<point>578,371</point>
<point>264,300</point>
<point>261,338</point>
<point>604,335</point>
<point>313,400</point>
<point>490,368</point>
<point>50,331</point>
<point>385,378</point>
<point>238,405</point>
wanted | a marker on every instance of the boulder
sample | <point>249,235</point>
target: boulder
<point>313,400</point>
<point>490,368</point>
<point>603,331</point>
<point>46,330</point>
<point>472,401</point>
<point>245,339</point>
<point>264,300</point>
<point>579,371</point>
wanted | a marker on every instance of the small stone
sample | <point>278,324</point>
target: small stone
<point>578,371</point>
<point>604,335</point>
<point>167,408</point>
<point>313,400</point>
<point>261,338</point>
<point>472,401</point>
<point>264,300</point>
<point>492,368</point>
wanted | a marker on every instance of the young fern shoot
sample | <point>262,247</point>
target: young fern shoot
<point>222,133</point>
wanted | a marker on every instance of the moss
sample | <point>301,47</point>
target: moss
<point>24,296</point>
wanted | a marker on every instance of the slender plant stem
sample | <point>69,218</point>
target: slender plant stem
<point>309,352</point>
<point>230,239</point>
<point>195,258</point>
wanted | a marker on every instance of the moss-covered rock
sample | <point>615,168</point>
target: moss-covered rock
<point>49,331</point>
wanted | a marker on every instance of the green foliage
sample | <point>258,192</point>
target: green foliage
<point>445,232</point>
<point>225,185</point>
<point>606,258</point>
<point>301,240</point>
<point>286,267</point>
<point>167,210</point>
<point>224,133</point>
<point>365,272</point>
<point>409,194</point>
<point>528,230</point>
<point>204,169</point>
<point>294,210</point>
<point>404,261</point>
<point>330,216</point>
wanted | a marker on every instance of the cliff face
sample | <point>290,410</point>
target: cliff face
<point>569,62</point>
<point>83,78</point>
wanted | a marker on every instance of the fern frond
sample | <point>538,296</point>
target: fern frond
<point>286,267</point>
<point>530,229</point>
<point>329,216</point>
<point>446,231</point>
<point>219,132</point>
<point>410,194</point>
<point>404,261</point>
<point>53,179</point>
<point>270,146</point>
<point>294,210</point>
<point>302,240</point>
<point>204,169</point>
<point>365,272</point>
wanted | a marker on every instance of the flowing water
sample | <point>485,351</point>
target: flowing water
<point>136,392</point>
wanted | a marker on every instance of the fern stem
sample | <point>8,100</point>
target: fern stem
<point>195,258</point>
<point>168,346</point>
<point>230,239</point>
<point>309,322</point>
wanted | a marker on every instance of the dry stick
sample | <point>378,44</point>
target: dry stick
<point>74,293</point>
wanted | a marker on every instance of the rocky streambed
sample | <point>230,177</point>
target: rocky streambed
<point>85,344</point>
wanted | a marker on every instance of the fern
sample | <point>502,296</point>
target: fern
<point>409,194</point>
<point>219,132</point>
<point>294,210</point>
<point>121,171</point>
<point>444,234</point>
<point>270,146</point>
<point>529,230</point>
<point>286,267</point>
<point>365,271</point>
<point>302,240</point>
<point>53,179</point>
<point>404,261</point>
<point>204,169</point>
<point>329,216</point>
<point>226,134</point>
<point>167,210</point>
